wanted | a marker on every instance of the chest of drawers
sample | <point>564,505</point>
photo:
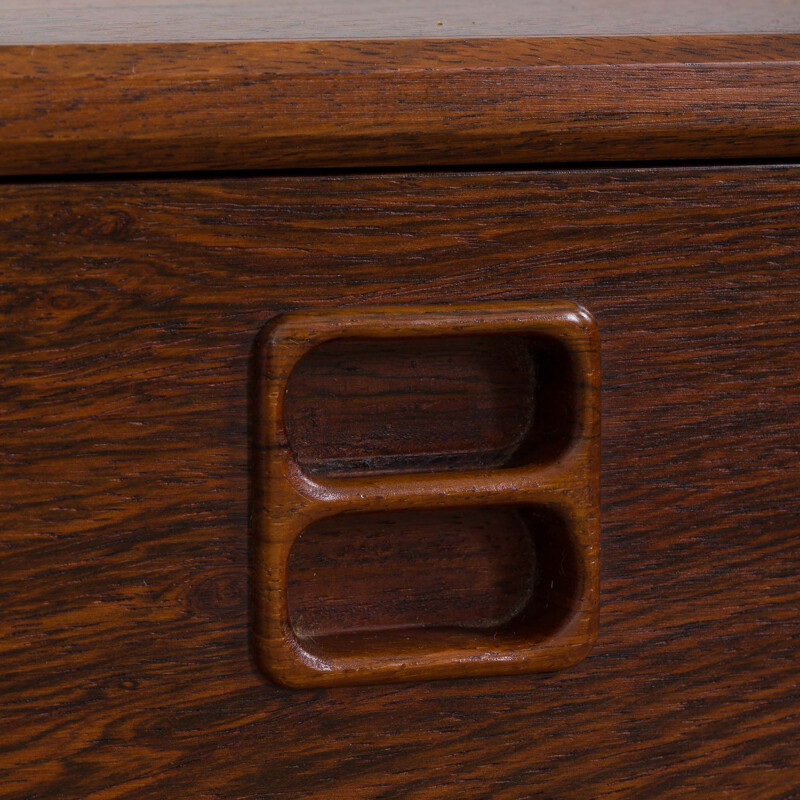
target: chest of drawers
<point>177,177</point>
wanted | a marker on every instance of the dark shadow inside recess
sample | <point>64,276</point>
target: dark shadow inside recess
<point>361,583</point>
<point>432,404</point>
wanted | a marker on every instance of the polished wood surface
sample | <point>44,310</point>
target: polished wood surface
<point>287,105</point>
<point>129,313</point>
<point>98,21</point>
<point>549,478</point>
<point>452,567</point>
<point>396,405</point>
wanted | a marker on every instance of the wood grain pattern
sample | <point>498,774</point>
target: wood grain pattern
<point>441,567</point>
<point>556,496</point>
<point>365,406</point>
<point>282,105</point>
<point>100,21</point>
<point>129,311</point>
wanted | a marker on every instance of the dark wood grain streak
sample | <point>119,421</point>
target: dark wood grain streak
<point>129,312</point>
<point>286,105</point>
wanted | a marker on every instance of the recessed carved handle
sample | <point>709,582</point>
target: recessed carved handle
<point>382,434</point>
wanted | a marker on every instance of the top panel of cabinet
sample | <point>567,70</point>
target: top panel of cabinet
<point>106,21</point>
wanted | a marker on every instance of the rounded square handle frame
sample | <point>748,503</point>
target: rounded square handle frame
<point>287,499</point>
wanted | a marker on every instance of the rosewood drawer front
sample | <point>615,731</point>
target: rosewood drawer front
<point>136,443</point>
